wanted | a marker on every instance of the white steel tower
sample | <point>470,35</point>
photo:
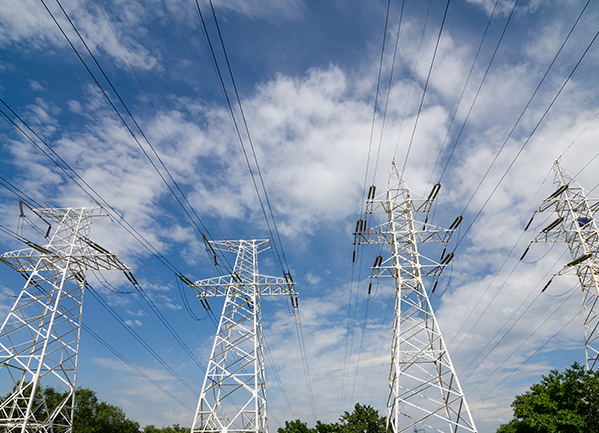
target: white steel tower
<point>39,339</point>
<point>233,397</point>
<point>424,391</point>
<point>576,226</point>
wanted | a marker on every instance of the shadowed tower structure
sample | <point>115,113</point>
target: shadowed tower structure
<point>424,390</point>
<point>576,226</point>
<point>233,397</point>
<point>39,339</point>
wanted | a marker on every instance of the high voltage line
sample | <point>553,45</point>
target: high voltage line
<point>580,15</point>
<point>276,238</point>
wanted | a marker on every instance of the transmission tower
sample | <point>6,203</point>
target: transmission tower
<point>576,226</point>
<point>39,339</point>
<point>233,397</point>
<point>424,390</point>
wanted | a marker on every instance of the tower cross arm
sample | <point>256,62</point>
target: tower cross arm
<point>265,285</point>
<point>382,234</point>
<point>27,259</point>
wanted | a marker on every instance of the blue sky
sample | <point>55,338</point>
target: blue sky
<point>306,72</point>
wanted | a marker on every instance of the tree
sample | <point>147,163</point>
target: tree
<point>175,428</point>
<point>295,426</point>
<point>563,402</point>
<point>364,419</point>
<point>90,414</point>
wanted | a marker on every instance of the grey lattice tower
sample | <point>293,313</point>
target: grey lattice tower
<point>39,339</point>
<point>424,391</point>
<point>576,226</point>
<point>233,397</point>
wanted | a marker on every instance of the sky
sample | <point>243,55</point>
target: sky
<point>486,117</point>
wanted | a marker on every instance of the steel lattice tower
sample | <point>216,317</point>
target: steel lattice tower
<point>576,226</point>
<point>424,390</point>
<point>233,397</point>
<point>39,339</point>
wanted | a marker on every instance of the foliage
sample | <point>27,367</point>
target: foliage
<point>364,419</point>
<point>563,402</point>
<point>295,426</point>
<point>90,414</point>
<point>94,416</point>
<point>175,428</point>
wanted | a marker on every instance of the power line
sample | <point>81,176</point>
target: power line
<point>405,110</point>
<point>276,239</point>
<point>135,368</point>
<point>389,86</point>
<point>567,80</point>
<point>94,195</point>
<point>507,320</point>
<point>428,77</point>
<point>190,173</point>
<point>479,89</point>
<point>126,125</point>
<point>455,112</point>
<point>376,99</point>
<point>528,359</point>
<point>140,340</point>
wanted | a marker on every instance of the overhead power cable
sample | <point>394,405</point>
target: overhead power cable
<point>455,111</point>
<point>534,130</point>
<point>389,87</point>
<point>275,371</point>
<point>190,173</point>
<point>428,77</point>
<point>262,198</point>
<point>375,105</point>
<point>352,298</point>
<point>270,222</point>
<point>529,358</point>
<point>479,362</point>
<point>541,325</point>
<point>412,78</point>
<point>135,368</point>
<point>482,82</point>
<point>140,340</point>
<point>178,199</point>
<point>71,174</point>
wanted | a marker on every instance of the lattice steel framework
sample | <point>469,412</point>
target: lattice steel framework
<point>233,397</point>
<point>424,390</point>
<point>577,227</point>
<point>39,339</point>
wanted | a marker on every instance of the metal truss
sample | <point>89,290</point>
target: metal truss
<point>233,397</point>
<point>39,339</point>
<point>576,226</point>
<point>424,390</point>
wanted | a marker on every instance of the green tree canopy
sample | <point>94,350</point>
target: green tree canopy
<point>90,414</point>
<point>364,419</point>
<point>175,428</point>
<point>563,402</point>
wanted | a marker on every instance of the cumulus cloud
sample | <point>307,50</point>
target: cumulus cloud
<point>270,9</point>
<point>28,25</point>
<point>311,133</point>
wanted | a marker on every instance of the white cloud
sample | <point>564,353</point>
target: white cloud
<point>35,86</point>
<point>74,106</point>
<point>28,25</point>
<point>311,132</point>
<point>270,9</point>
<point>505,6</point>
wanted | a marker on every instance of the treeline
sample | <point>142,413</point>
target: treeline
<point>90,415</point>
<point>363,419</point>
